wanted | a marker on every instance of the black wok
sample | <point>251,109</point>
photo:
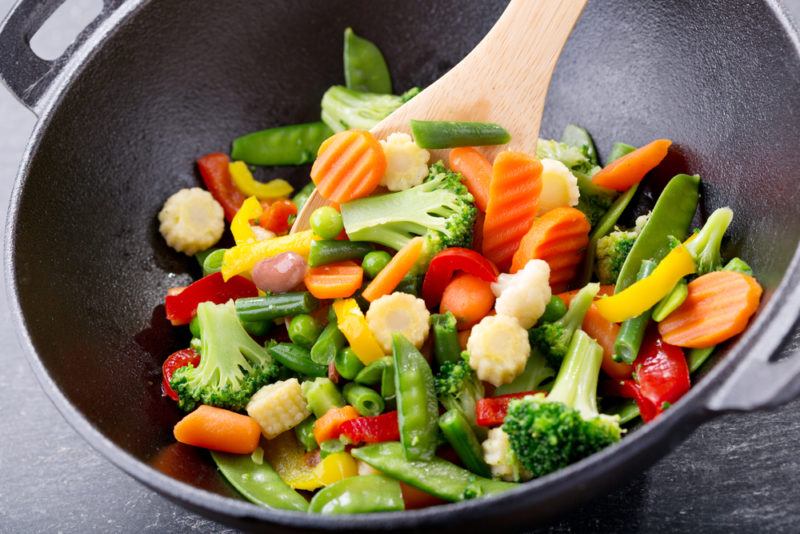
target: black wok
<point>150,85</point>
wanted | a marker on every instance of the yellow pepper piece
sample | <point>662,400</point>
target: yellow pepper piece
<point>248,185</point>
<point>288,459</point>
<point>240,225</point>
<point>646,293</point>
<point>242,258</point>
<point>335,467</point>
<point>353,325</point>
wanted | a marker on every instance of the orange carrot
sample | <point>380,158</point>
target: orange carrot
<point>627,171</point>
<point>463,337</point>
<point>718,307</point>
<point>394,272</point>
<point>513,200</point>
<point>328,426</point>
<point>219,430</point>
<point>469,298</point>
<point>477,231</point>
<point>334,281</point>
<point>349,165</point>
<point>558,237</point>
<point>477,173</point>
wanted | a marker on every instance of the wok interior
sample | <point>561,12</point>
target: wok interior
<point>181,79</point>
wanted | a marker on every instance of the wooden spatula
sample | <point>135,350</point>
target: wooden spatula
<point>503,80</point>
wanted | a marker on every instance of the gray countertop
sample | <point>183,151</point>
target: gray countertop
<point>736,473</point>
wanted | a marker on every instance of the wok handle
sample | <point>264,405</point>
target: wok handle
<point>28,76</point>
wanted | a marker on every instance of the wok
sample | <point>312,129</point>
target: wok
<point>149,86</point>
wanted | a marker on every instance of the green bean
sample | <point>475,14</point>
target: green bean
<point>321,395</point>
<point>304,432</point>
<point>631,333</point>
<point>671,302</point>
<point>417,405</point>
<point>435,476</point>
<point>326,448</point>
<point>697,357</point>
<point>194,326</point>
<point>347,363</point>
<point>297,359</point>
<point>304,330</point>
<point>302,196</point>
<point>579,137</point>
<point>626,409</point>
<point>258,481</point>
<point>553,311</point>
<point>371,374</point>
<point>364,67</point>
<point>388,389</point>
<point>327,251</point>
<point>458,432</point>
<point>328,344</point>
<point>446,347</point>
<point>273,307</point>
<point>257,328</point>
<point>366,401</point>
<point>359,495</point>
<point>671,216</point>
<point>618,150</point>
<point>296,144</point>
<point>449,134</point>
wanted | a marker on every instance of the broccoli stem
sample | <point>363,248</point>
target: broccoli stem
<point>536,372</point>
<point>576,383</point>
<point>704,247</point>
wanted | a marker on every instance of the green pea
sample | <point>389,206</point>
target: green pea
<point>374,262</point>
<point>304,330</point>
<point>347,363</point>
<point>257,328</point>
<point>194,327</point>
<point>326,222</point>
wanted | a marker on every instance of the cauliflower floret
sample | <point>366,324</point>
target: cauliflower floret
<point>501,459</point>
<point>191,220</point>
<point>398,312</point>
<point>559,186</point>
<point>498,349</point>
<point>406,163</point>
<point>524,294</point>
<point>278,407</point>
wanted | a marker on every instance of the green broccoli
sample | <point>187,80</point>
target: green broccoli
<point>232,365</point>
<point>344,108</point>
<point>547,434</point>
<point>533,377</point>
<point>458,388</point>
<point>705,246</point>
<point>553,339</point>
<point>613,249</point>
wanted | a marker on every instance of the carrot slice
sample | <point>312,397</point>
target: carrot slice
<point>469,298</point>
<point>627,171</point>
<point>219,430</point>
<point>349,165</point>
<point>394,272</point>
<point>329,425</point>
<point>334,280</point>
<point>718,307</point>
<point>513,200</point>
<point>477,231</point>
<point>477,173</point>
<point>558,237</point>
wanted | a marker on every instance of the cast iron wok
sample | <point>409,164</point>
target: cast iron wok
<point>149,86</point>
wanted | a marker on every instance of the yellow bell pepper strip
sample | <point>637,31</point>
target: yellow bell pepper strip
<point>242,258</point>
<point>240,225</point>
<point>248,185</point>
<point>644,294</point>
<point>353,325</point>
<point>285,454</point>
<point>335,467</point>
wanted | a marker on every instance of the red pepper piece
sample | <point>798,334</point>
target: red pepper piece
<point>183,306</point>
<point>275,218</point>
<point>446,263</point>
<point>217,177</point>
<point>376,429</point>
<point>175,361</point>
<point>491,411</point>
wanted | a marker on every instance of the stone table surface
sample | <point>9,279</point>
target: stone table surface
<point>736,473</point>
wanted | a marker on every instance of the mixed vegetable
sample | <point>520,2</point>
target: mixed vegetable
<point>444,330</point>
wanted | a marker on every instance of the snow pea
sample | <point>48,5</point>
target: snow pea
<point>297,359</point>
<point>449,134</point>
<point>417,405</point>
<point>364,67</point>
<point>671,216</point>
<point>295,144</point>
<point>372,373</point>
<point>359,495</point>
<point>325,251</point>
<point>458,432</point>
<point>618,150</point>
<point>258,481</point>
<point>435,476</point>
<point>631,333</point>
<point>579,137</point>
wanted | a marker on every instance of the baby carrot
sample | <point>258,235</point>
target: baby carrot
<point>477,173</point>
<point>627,171</point>
<point>394,272</point>
<point>218,430</point>
<point>469,298</point>
<point>349,165</point>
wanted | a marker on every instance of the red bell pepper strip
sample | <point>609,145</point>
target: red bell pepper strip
<point>491,411</point>
<point>275,217</point>
<point>444,265</point>
<point>217,177</point>
<point>182,307</point>
<point>376,429</point>
<point>175,361</point>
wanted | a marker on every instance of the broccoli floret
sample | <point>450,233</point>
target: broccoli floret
<point>458,388</point>
<point>613,249</point>
<point>343,108</point>
<point>704,247</point>
<point>549,433</point>
<point>232,365</point>
<point>441,209</point>
<point>553,339</point>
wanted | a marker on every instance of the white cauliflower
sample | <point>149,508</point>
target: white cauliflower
<point>501,459</point>
<point>498,349</point>
<point>278,407</point>
<point>398,312</point>
<point>406,163</point>
<point>524,294</point>
<point>191,220</point>
<point>559,186</point>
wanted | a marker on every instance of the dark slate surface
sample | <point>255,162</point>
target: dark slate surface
<point>737,473</point>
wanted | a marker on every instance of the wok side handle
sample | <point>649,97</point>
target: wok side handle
<point>27,75</point>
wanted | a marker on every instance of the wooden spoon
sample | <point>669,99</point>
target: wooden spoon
<point>503,80</point>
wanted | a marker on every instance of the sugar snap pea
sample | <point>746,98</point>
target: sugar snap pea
<point>579,137</point>
<point>372,373</point>
<point>631,333</point>
<point>328,344</point>
<point>347,363</point>
<point>359,495</point>
<point>296,144</point>
<point>450,134</point>
<point>364,67</point>
<point>327,251</point>
<point>417,405</point>
<point>297,359</point>
<point>446,347</point>
<point>618,150</point>
<point>458,432</point>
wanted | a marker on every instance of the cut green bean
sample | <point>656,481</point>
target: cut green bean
<point>296,144</point>
<point>327,251</point>
<point>202,255</point>
<point>297,359</point>
<point>328,344</point>
<point>321,395</point>
<point>618,150</point>
<point>332,446</point>
<point>671,302</point>
<point>458,432</point>
<point>579,137</point>
<point>364,67</point>
<point>697,357</point>
<point>372,373</point>
<point>450,134</point>
<point>359,495</point>
<point>553,311</point>
<point>304,432</point>
<point>631,333</point>
<point>273,307</point>
<point>213,261</point>
<point>446,347</point>
<point>366,401</point>
<point>388,389</point>
<point>347,363</point>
